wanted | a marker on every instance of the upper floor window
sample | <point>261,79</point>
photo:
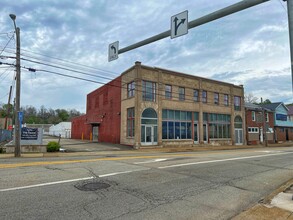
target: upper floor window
<point>181,93</point>
<point>216,98</point>
<point>226,99</point>
<point>237,103</point>
<point>168,91</point>
<point>267,117</point>
<point>253,115</point>
<point>130,89</point>
<point>148,91</point>
<point>204,96</point>
<point>195,95</point>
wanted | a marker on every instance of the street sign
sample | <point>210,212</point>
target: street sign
<point>113,51</point>
<point>179,24</point>
<point>20,117</point>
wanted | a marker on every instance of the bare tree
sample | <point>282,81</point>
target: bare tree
<point>250,98</point>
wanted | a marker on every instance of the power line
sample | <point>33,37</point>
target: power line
<point>187,99</point>
<point>7,44</point>
<point>282,5</point>
<point>63,68</point>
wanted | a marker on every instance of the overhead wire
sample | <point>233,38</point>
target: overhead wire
<point>111,84</point>
<point>6,44</point>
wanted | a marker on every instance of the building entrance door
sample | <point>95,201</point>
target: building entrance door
<point>238,136</point>
<point>287,134</point>
<point>149,127</point>
<point>195,133</point>
<point>95,133</point>
<point>149,134</point>
<point>205,133</point>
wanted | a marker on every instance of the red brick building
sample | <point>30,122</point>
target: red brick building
<point>150,106</point>
<point>102,119</point>
<point>254,116</point>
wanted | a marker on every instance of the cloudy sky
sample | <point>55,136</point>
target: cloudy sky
<point>69,37</point>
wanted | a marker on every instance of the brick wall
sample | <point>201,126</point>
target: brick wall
<point>103,110</point>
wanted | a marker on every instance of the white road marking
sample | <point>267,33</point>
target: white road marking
<point>129,171</point>
<point>268,151</point>
<point>152,161</point>
<point>229,159</point>
<point>45,184</point>
<point>68,181</point>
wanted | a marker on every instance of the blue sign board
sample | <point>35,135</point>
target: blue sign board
<point>20,117</point>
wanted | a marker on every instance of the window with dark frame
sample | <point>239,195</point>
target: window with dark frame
<point>130,89</point>
<point>130,122</point>
<point>195,95</point>
<point>168,91</point>
<point>237,103</point>
<point>176,124</point>
<point>253,115</point>
<point>204,96</point>
<point>148,91</point>
<point>216,98</point>
<point>181,93</point>
<point>226,99</point>
<point>219,126</point>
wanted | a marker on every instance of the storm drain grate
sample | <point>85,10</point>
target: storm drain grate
<point>92,186</point>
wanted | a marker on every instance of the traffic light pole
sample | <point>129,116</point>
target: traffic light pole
<point>290,26</point>
<point>197,22</point>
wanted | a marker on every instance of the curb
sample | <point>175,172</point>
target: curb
<point>263,210</point>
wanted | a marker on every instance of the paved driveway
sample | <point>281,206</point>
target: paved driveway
<point>74,145</point>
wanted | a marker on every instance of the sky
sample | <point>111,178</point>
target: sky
<point>249,48</point>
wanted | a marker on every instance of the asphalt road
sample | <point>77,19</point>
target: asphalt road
<point>189,185</point>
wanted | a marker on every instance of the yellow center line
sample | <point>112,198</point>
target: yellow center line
<point>42,163</point>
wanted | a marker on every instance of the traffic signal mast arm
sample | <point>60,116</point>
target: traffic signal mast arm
<point>197,22</point>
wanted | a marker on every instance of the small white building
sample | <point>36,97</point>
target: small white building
<point>63,129</point>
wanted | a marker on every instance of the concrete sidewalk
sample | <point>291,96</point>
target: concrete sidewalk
<point>74,145</point>
<point>268,208</point>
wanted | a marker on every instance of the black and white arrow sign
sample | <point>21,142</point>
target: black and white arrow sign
<point>179,24</point>
<point>113,51</point>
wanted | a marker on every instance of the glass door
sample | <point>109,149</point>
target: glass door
<point>238,136</point>
<point>149,134</point>
<point>205,133</point>
<point>195,133</point>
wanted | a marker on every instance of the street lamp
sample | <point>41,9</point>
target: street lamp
<point>17,150</point>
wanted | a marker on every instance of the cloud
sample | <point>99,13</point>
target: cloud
<point>248,47</point>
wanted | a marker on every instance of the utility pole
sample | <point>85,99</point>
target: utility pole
<point>17,126</point>
<point>290,26</point>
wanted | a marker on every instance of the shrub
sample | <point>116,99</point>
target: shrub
<point>2,151</point>
<point>53,146</point>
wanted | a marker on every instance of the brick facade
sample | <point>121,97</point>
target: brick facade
<point>140,74</point>
<point>138,110</point>
<point>102,119</point>
<point>254,124</point>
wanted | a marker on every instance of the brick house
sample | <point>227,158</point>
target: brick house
<point>283,127</point>
<point>159,107</point>
<point>255,117</point>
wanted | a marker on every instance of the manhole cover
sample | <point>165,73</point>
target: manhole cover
<point>92,186</point>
